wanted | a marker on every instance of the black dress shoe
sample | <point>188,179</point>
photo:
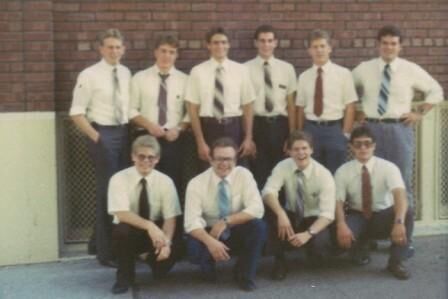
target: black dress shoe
<point>410,252</point>
<point>108,263</point>
<point>361,259</point>
<point>279,270</point>
<point>247,285</point>
<point>398,270</point>
<point>120,287</point>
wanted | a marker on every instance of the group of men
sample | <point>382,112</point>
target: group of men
<point>292,134</point>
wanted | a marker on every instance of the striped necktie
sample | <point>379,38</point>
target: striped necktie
<point>301,195</point>
<point>118,109</point>
<point>384,90</point>
<point>268,104</point>
<point>162,101</point>
<point>218,99</point>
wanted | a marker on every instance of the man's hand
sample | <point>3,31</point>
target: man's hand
<point>156,235</point>
<point>411,118</point>
<point>204,152</point>
<point>299,239</point>
<point>360,117</point>
<point>285,230</point>
<point>398,234</point>
<point>95,137</point>
<point>218,228</point>
<point>156,130</point>
<point>163,253</point>
<point>172,134</point>
<point>218,250</point>
<point>344,235</point>
<point>247,148</point>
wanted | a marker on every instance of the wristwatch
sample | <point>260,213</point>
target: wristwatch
<point>311,232</point>
<point>398,221</point>
<point>226,220</point>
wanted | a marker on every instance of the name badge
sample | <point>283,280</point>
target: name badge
<point>282,86</point>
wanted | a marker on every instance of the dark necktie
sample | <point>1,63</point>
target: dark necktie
<point>301,194</point>
<point>366,193</point>
<point>267,87</point>
<point>383,97</point>
<point>218,99</point>
<point>163,99</point>
<point>143,203</point>
<point>318,94</point>
<point>118,109</point>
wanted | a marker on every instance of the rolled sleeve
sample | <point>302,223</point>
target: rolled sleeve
<point>193,210</point>
<point>82,95</point>
<point>192,94</point>
<point>394,178</point>
<point>292,80</point>
<point>117,197</point>
<point>135,105</point>
<point>300,98</point>
<point>327,203</point>
<point>275,182</point>
<point>341,192</point>
<point>350,94</point>
<point>252,199</point>
<point>171,206</point>
<point>428,85</point>
<point>247,90</point>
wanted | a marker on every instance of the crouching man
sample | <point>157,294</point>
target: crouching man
<point>145,205</point>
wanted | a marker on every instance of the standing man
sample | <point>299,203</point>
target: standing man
<point>275,83</point>
<point>373,192</point>
<point>387,85</point>
<point>326,99</point>
<point>145,205</point>
<point>100,110</point>
<point>157,106</point>
<point>223,212</point>
<point>310,204</point>
<point>220,98</point>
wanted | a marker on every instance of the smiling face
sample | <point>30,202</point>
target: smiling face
<point>363,148</point>
<point>389,47</point>
<point>218,46</point>
<point>165,56</point>
<point>223,161</point>
<point>266,43</point>
<point>145,160</point>
<point>319,50</point>
<point>301,151</point>
<point>112,49</point>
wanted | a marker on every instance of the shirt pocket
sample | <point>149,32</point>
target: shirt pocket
<point>232,94</point>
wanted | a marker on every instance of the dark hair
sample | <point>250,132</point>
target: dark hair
<point>110,33</point>
<point>264,29</point>
<point>318,34</point>
<point>389,30</point>
<point>299,135</point>
<point>223,142</point>
<point>362,131</point>
<point>166,40</point>
<point>216,30</point>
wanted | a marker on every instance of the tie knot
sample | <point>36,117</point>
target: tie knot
<point>143,182</point>
<point>387,67</point>
<point>114,70</point>
<point>364,169</point>
<point>299,173</point>
<point>163,76</point>
<point>319,70</point>
<point>266,63</point>
<point>222,183</point>
<point>219,69</point>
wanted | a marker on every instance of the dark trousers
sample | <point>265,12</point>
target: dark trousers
<point>246,240</point>
<point>213,129</point>
<point>270,134</point>
<point>109,155</point>
<point>129,241</point>
<point>318,247</point>
<point>330,144</point>
<point>379,226</point>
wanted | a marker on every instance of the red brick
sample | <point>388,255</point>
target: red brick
<point>138,16</point>
<point>122,6</point>
<point>38,36</point>
<point>10,5</point>
<point>74,16</point>
<point>38,46</point>
<point>37,26</point>
<point>37,16</point>
<point>282,7</point>
<point>164,16</point>
<point>94,7</point>
<point>177,6</point>
<point>11,56</point>
<point>64,7</point>
<point>150,6</point>
<point>203,6</point>
<point>37,5</point>
<point>39,67</point>
<point>10,16</point>
<point>38,77</point>
<point>109,16</point>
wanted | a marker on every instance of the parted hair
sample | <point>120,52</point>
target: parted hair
<point>264,29</point>
<point>362,131</point>
<point>146,141</point>
<point>213,31</point>
<point>389,30</point>
<point>111,32</point>
<point>299,135</point>
<point>223,142</point>
<point>318,34</point>
<point>166,40</point>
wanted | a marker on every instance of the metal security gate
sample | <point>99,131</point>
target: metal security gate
<point>442,184</point>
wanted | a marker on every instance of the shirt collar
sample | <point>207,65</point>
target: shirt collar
<point>393,65</point>
<point>307,171</point>
<point>170,71</point>
<point>224,63</point>
<point>108,66</point>
<point>136,176</point>
<point>271,60</point>
<point>216,179</point>
<point>370,164</point>
<point>326,67</point>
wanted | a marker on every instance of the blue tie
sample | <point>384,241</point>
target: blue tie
<point>384,91</point>
<point>224,206</point>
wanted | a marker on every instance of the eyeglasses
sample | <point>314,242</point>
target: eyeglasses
<point>223,159</point>
<point>150,158</point>
<point>366,143</point>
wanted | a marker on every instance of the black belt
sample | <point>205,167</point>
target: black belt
<point>326,123</point>
<point>221,121</point>
<point>270,119</point>
<point>384,120</point>
<point>97,125</point>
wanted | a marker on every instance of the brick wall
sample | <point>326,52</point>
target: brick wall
<point>44,44</point>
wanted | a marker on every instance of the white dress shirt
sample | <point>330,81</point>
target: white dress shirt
<point>145,86</point>
<point>283,77</point>
<point>201,198</point>
<point>93,93</point>
<point>406,77</point>
<point>124,194</point>
<point>384,177</point>
<point>238,90</point>
<point>338,89</point>
<point>320,198</point>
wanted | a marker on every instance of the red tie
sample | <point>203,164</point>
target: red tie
<point>366,193</point>
<point>318,94</point>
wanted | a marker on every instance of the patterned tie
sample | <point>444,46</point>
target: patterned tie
<point>366,193</point>
<point>318,94</point>
<point>383,97</point>
<point>224,205</point>
<point>301,194</point>
<point>118,109</point>
<point>218,99</point>
<point>267,87</point>
<point>162,99</point>
<point>143,203</point>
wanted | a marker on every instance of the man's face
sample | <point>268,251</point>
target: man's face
<point>223,160</point>
<point>165,56</point>
<point>112,50</point>
<point>319,50</point>
<point>266,43</point>
<point>145,160</point>
<point>301,152</point>
<point>218,46</point>
<point>389,47</point>
<point>363,148</point>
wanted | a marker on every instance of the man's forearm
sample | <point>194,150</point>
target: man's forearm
<point>134,220</point>
<point>239,218</point>
<point>201,235</point>
<point>169,226</point>
<point>272,202</point>
<point>193,111</point>
<point>400,203</point>
<point>84,125</point>
<point>248,118</point>
<point>292,124</point>
<point>142,122</point>
<point>349,118</point>
<point>340,215</point>
<point>300,117</point>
